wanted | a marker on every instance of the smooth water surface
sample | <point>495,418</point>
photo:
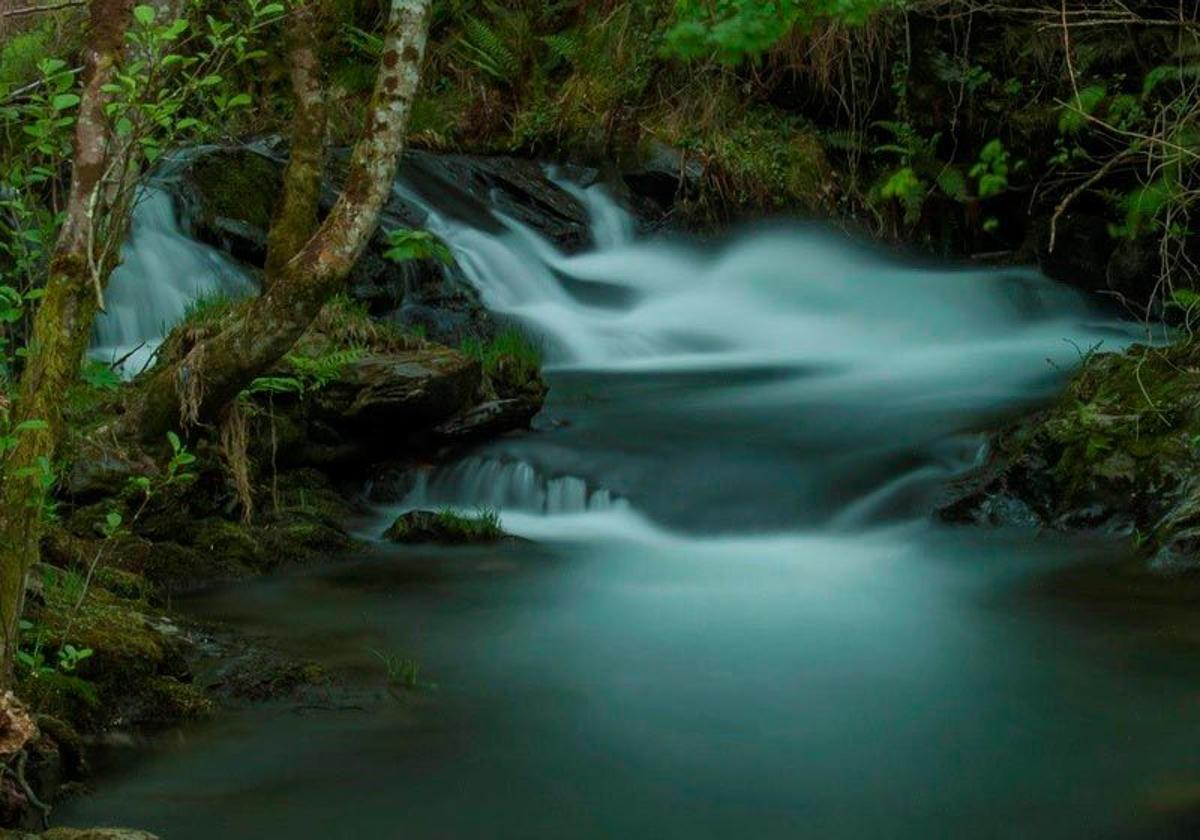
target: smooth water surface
<point>733,616</point>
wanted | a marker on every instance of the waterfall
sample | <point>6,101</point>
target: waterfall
<point>163,272</point>
<point>786,333</point>
<point>885,369</point>
<point>480,482</point>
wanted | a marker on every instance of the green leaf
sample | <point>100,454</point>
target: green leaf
<point>407,244</point>
<point>49,66</point>
<point>63,101</point>
<point>174,30</point>
<point>144,14</point>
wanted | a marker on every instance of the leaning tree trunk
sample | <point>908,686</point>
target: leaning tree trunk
<point>196,387</point>
<point>61,328</point>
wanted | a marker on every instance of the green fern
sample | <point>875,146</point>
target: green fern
<point>844,141</point>
<point>564,46</point>
<point>486,51</point>
<point>318,371</point>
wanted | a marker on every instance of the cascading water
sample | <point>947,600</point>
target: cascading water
<point>736,617</point>
<point>886,371</point>
<point>163,272</point>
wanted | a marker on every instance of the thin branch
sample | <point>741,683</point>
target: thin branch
<point>37,10</point>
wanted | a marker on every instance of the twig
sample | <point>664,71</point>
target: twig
<point>116,363</point>
<point>34,10</point>
<point>1082,188</point>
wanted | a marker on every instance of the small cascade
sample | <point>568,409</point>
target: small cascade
<point>505,485</point>
<point>611,226</point>
<point>163,273</point>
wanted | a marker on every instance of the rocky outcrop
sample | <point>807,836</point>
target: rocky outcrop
<point>446,528</point>
<point>1119,452</point>
<point>228,195</point>
<point>388,405</point>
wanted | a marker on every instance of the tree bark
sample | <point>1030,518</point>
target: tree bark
<point>61,328</point>
<point>296,216</point>
<point>196,387</point>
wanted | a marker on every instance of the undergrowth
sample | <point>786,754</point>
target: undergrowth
<point>511,358</point>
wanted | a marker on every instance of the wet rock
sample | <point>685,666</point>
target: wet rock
<point>399,391</point>
<point>379,406</point>
<point>1086,256</point>
<point>227,196</point>
<point>665,175</point>
<point>445,527</point>
<point>493,417</point>
<point>1082,246</point>
<point>1119,452</point>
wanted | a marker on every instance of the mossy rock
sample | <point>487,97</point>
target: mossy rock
<point>446,527</point>
<point>237,184</point>
<point>1119,451</point>
<point>135,674</point>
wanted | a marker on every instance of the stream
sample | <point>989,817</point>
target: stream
<point>733,613</point>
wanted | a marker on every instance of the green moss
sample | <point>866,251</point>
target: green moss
<point>446,526</point>
<point>175,700</point>
<point>132,671</point>
<point>1120,448</point>
<point>238,185</point>
<point>232,541</point>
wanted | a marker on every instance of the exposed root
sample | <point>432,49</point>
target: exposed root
<point>189,384</point>
<point>235,438</point>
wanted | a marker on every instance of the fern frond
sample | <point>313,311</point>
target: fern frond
<point>487,51</point>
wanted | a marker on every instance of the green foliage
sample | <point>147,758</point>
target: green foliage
<point>408,244</point>
<point>904,186</point>
<point>208,310</point>
<point>399,671</point>
<point>312,373</point>
<point>511,357</point>
<point>991,172</point>
<point>34,661</point>
<point>315,372</point>
<point>100,376</point>
<point>484,49</point>
<point>483,526</point>
<point>1074,115</point>
<point>736,30</point>
<point>178,469</point>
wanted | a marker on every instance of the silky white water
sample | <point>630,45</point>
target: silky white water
<point>875,360</point>
<point>163,272</point>
<point>733,614</point>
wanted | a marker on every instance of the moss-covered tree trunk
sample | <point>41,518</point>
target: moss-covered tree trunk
<point>196,387</point>
<point>61,328</point>
<point>296,215</point>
